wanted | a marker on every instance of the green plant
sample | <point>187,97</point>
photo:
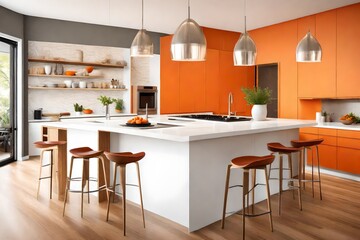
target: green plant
<point>4,119</point>
<point>119,103</point>
<point>105,100</point>
<point>78,108</point>
<point>257,95</point>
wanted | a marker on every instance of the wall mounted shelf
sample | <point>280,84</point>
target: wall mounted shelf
<point>77,63</point>
<point>63,76</point>
<point>81,89</point>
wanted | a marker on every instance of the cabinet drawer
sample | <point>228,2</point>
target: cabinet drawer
<point>348,143</point>
<point>348,160</point>
<point>308,136</point>
<point>327,131</point>
<point>348,134</point>
<point>312,130</point>
<point>327,156</point>
<point>328,140</point>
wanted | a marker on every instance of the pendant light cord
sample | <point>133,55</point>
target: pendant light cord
<point>245,14</point>
<point>142,14</point>
<point>188,9</point>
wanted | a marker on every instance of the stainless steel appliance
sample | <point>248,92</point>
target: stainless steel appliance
<point>147,95</point>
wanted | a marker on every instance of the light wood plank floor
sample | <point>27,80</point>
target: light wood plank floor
<point>337,216</point>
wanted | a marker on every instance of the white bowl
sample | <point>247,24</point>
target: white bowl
<point>68,83</point>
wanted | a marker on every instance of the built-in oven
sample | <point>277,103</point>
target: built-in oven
<point>147,95</point>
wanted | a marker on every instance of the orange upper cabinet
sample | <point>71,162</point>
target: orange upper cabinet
<point>192,87</point>
<point>318,80</point>
<point>169,79</point>
<point>348,51</point>
<point>212,81</point>
<point>277,44</point>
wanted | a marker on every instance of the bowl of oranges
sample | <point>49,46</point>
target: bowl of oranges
<point>138,122</point>
<point>347,119</point>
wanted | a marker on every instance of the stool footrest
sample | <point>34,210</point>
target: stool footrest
<point>44,177</point>
<point>253,215</point>
<point>46,165</point>
<point>91,191</point>
<point>79,179</point>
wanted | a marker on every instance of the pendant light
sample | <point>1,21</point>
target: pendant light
<point>245,49</point>
<point>188,42</point>
<point>308,49</point>
<point>142,45</point>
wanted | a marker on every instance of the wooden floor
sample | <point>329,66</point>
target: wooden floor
<point>23,217</point>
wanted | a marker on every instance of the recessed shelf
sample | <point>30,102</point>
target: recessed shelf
<point>78,63</point>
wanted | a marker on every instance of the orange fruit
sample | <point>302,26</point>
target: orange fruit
<point>138,121</point>
<point>144,121</point>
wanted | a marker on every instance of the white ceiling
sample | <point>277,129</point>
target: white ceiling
<point>165,15</point>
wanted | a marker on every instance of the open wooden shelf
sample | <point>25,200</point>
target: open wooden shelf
<point>77,63</point>
<point>63,76</point>
<point>75,89</point>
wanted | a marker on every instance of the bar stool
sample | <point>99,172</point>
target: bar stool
<point>84,153</point>
<point>47,146</point>
<point>282,150</point>
<point>310,144</point>
<point>121,159</point>
<point>248,163</point>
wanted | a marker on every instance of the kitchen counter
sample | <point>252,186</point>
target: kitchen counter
<point>72,117</point>
<point>183,172</point>
<point>339,125</point>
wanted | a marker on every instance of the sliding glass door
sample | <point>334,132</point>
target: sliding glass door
<point>8,61</point>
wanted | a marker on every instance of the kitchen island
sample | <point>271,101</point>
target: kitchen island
<point>183,172</point>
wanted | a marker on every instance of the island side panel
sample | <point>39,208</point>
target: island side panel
<point>164,175</point>
<point>103,145</point>
<point>60,160</point>
<point>208,162</point>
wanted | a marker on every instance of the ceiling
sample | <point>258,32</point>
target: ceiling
<point>165,15</point>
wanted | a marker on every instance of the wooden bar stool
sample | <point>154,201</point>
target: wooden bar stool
<point>248,163</point>
<point>47,146</point>
<point>282,150</point>
<point>84,153</point>
<point>121,159</point>
<point>310,144</point>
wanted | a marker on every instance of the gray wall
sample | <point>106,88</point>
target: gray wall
<point>11,23</point>
<point>50,30</point>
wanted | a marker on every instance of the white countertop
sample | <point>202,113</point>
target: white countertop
<point>339,125</point>
<point>186,130</point>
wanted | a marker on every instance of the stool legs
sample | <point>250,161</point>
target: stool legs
<point>245,192</point>
<point>280,181</point>
<point>318,160</point>
<point>299,177</point>
<point>51,170</point>
<point>268,199</point>
<point>68,184</point>
<point>123,189</point>
<point>141,200</point>
<point>225,195</point>
<point>245,196</point>
<point>312,170</point>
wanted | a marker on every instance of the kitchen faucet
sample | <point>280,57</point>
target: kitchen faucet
<point>230,101</point>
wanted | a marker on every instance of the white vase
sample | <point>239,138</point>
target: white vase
<point>259,112</point>
<point>47,69</point>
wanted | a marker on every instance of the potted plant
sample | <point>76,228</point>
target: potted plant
<point>78,109</point>
<point>119,104</point>
<point>259,98</point>
<point>106,101</point>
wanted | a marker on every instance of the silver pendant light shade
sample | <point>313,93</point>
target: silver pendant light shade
<point>308,49</point>
<point>244,51</point>
<point>188,42</point>
<point>142,45</point>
